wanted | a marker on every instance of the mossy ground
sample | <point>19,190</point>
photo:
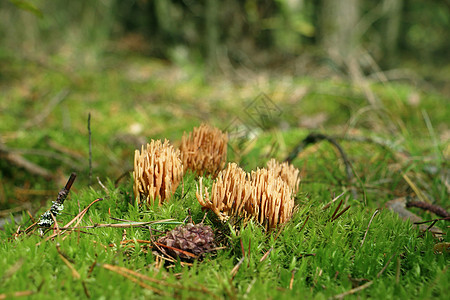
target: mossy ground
<point>142,99</point>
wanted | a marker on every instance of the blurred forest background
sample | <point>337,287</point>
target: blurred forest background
<point>407,39</point>
<point>116,60</point>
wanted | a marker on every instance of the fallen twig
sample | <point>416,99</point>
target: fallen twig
<point>136,241</point>
<point>177,250</point>
<point>103,186</point>
<point>75,273</point>
<point>428,228</point>
<point>74,155</point>
<point>58,98</point>
<point>385,266</point>
<point>341,213</point>
<point>126,225</point>
<point>306,255</point>
<point>264,257</point>
<point>313,138</point>
<point>332,201</point>
<point>336,210</point>
<point>304,223</point>
<point>234,271</point>
<point>291,282</point>
<point>367,230</point>
<point>135,280</point>
<point>17,294</point>
<point>69,161</point>
<point>47,219</point>
<point>424,222</point>
<point>90,149</point>
<point>352,291</point>
<point>116,182</point>
<point>430,207</point>
<point>77,217</point>
<point>21,162</point>
<point>398,205</point>
<point>154,280</point>
<point>416,190</point>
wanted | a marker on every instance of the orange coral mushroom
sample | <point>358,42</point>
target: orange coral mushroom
<point>204,150</point>
<point>157,172</point>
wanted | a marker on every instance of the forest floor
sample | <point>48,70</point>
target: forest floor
<point>391,149</point>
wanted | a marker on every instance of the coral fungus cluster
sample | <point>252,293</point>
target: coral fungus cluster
<point>157,172</point>
<point>204,150</point>
<point>265,195</point>
<point>287,172</point>
<point>158,167</point>
<point>262,195</point>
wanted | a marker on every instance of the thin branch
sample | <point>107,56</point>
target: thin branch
<point>102,185</point>
<point>352,291</point>
<point>428,228</point>
<point>291,282</point>
<point>90,149</point>
<point>116,182</point>
<point>367,230</point>
<point>69,161</point>
<point>430,207</point>
<point>314,138</point>
<point>58,98</point>
<point>17,294</point>
<point>387,264</point>
<point>304,223</point>
<point>77,217</point>
<point>21,162</point>
<point>336,210</point>
<point>424,222</point>
<point>127,225</point>
<point>47,218</point>
<point>63,149</point>
<point>332,201</point>
<point>341,213</point>
<point>234,271</point>
<point>135,280</point>
<point>75,273</point>
<point>264,257</point>
<point>177,250</point>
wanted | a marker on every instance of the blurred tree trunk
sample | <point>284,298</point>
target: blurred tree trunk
<point>338,19</point>
<point>338,23</point>
<point>165,23</point>
<point>212,35</point>
<point>393,13</point>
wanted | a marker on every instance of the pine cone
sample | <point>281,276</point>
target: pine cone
<point>196,239</point>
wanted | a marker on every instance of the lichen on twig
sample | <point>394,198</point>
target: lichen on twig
<point>47,218</point>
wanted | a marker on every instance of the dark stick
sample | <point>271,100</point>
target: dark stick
<point>47,219</point>
<point>340,214</point>
<point>304,223</point>
<point>424,222</point>
<point>428,228</point>
<point>430,207</point>
<point>116,182</point>
<point>314,138</point>
<point>336,210</point>
<point>62,195</point>
<point>90,149</point>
